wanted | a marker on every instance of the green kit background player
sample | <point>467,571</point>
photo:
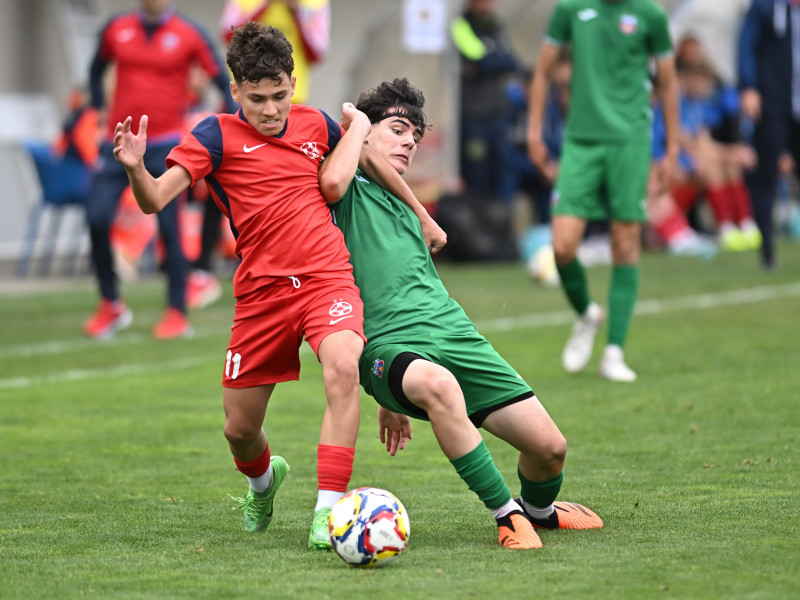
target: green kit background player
<point>606,156</point>
<point>424,358</point>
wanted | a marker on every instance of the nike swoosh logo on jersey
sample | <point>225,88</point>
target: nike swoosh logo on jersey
<point>334,321</point>
<point>248,150</point>
<point>587,15</point>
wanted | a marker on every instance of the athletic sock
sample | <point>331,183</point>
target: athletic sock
<point>722,203</point>
<point>575,285</point>
<point>257,471</point>
<point>673,227</point>
<point>506,509</point>
<point>327,498</point>
<point>742,210</point>
<point>479,472</point>
<point>538,496</point>
<point>334,467</point>
<point>621,298</point>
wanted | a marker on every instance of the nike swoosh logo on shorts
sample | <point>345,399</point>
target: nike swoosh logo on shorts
<point>334,321</point>
<point>248,150</point>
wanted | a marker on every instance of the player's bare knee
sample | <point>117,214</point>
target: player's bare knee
<point>241,432</point>
<point>340,373</point>
<point>439,392</point>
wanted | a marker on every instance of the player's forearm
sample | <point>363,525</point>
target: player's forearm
<point>152,194</point>
<point>339,167</point>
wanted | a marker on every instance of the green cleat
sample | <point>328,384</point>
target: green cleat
<point>257,507</point>
<point>319,538</point>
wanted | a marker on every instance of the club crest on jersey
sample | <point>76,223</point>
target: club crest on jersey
<point>311,151</point>
<point>628,24</point>
<point>377,368</point>
<point>339,311</point>
<point>169,42</point>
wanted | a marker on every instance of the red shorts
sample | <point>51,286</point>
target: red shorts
<point>271,322</point>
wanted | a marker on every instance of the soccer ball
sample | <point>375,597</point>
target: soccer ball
<point>369,527</point>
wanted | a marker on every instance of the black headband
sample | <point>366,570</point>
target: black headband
<point>398,114</point>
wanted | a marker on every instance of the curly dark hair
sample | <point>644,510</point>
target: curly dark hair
<point>391,97</point>
<point>258,52</point>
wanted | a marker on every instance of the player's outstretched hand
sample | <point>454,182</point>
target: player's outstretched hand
<point>129,147</point>
<point>394,430</point>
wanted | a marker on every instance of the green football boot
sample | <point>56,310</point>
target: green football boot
<point>257,507</point>
<point>319,538</point>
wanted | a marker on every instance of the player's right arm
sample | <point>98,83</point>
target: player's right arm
<point>537,149</point>
<point>151,194</point>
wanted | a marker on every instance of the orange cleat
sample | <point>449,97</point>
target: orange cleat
<point>110,317</point>
<point>517,533</point>
<point>567,515</point>
<point>173,325</point>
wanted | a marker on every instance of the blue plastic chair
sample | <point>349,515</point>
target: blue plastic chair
<point>65,183</point>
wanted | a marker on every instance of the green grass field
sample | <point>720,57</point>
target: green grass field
<point>116,475</point>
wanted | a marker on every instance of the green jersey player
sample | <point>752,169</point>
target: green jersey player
<point>424,358</point>
<point>605,161</point>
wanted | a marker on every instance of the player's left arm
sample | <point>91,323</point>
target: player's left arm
<point>378,168</point>
<point>667,89</point>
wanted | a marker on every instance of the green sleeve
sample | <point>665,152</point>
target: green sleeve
<point>559,31</point>
<point>660,41</point>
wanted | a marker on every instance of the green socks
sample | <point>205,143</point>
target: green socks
<point>621,298</point>
<point>479,472</point>
<point>540,493</point>
<point>575,286</point>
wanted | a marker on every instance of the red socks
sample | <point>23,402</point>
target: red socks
<point>254,468</point>
<point>334,467</point>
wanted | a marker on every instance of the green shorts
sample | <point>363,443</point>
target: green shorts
<point>487,381</point>
<point>603,180</point>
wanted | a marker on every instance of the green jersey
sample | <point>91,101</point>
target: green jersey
<point>401,290</point>
<point>612,42</point>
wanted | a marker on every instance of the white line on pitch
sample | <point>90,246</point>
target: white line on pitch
<point>643,307</point>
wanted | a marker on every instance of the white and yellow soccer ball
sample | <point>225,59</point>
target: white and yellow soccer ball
<point>369,527</point>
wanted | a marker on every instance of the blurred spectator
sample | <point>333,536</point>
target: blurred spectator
<point>711,23</point>
<point>153,50</point>
<point>487,62</point>
<point>523,175</point>
<point>769,83</point>
<point>712,156</point>
<point>306,24</point>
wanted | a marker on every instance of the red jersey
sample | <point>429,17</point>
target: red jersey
<point>269,189</point>
<point>152,71</point>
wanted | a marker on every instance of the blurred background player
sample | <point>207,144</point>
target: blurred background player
<point>306,25</point>
<point>152,50</point>
<point>424,358</point>
<point>605,160</point>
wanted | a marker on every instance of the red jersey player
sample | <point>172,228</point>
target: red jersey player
<point>152,51</point>
<point>295,279</point>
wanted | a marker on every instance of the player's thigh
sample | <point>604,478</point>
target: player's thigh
<point>244,410</point>
<point>486,379</point>
<point>332,305</point>
<point>567,233</point>
<point>382,371</point>
<point>627,171</point>
<point>430,386</point>
<point>527,426</point>
<point>265,340</point>
<point>578,187</point>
